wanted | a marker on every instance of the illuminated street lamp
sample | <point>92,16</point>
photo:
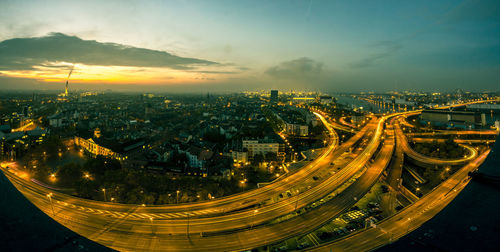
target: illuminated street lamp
<point>187,230</point>
<point>297,201</point>
<point>86,175</point>
<point>151,221</point>
<point>104,193</point>
<point>51,204</point>
<point>253,218</point>
<point>178,196</point>
<point>53,177</point>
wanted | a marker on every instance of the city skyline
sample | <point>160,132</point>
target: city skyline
<point>224,46</point>
<point>261,171</point>
<point>249,125</point>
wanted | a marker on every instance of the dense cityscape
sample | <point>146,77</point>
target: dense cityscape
<point>249,125</point>
<point>250,161</point>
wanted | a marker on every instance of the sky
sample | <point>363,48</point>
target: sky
<point>228,46</point>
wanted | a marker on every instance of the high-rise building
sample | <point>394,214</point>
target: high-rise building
<point>274,96</point>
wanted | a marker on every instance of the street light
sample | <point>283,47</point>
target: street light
<point>253,219</point>
<point>151,221</point>
<point>104,192</point>
<point>86,175</point>
<point>53,177</point>
<point>187,230</point>
<point>51,204</point>
<point>178,196</point>
<point>297,201</point>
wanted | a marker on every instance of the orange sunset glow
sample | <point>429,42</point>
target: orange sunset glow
<point>114,74</point>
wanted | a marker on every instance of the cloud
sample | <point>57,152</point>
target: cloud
<point>384,49</point>
<point>298,68</point>
<point>241,68</point>
<point>216,72</point>
<point>28,53</point>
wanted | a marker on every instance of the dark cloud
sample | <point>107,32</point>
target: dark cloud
<point>383,49</point>
<point>298,68</point>
<point>243,68</point>
<point>237,67</point>
<point>26,53</point>
<point>216,72</point>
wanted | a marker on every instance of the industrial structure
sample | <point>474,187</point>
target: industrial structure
<point>453,119</point>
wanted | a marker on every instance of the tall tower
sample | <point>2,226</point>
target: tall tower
<point>67,79</point>
<point>66,89</point>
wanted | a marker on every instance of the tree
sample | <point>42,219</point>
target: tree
<point>184,198</point>
<point>150,198</point>
<point>86,189</point>
<point>214,136</point>
<point>69,174</point>
<point>270,156</point>
<point>135,196</point>
<point>163,199</point>
<point>384,188</point>
<point>257,159</point>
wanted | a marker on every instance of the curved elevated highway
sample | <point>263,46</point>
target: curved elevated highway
<point>430,160</point>
<point>408,219</point>
<point>123,233</point>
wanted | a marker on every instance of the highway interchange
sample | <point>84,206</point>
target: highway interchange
<point>247,220</point>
